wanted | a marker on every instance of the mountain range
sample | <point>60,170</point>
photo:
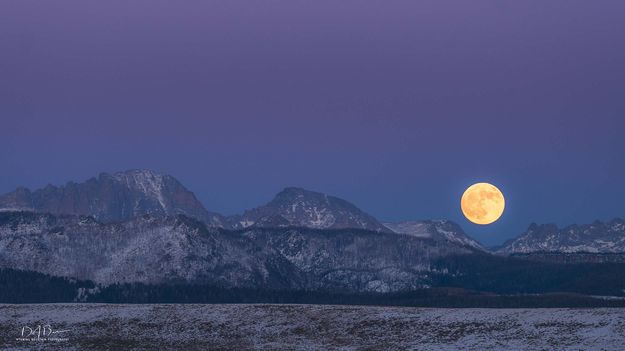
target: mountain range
<point>598,237</point>
<point>153,250</point>
<point>144,226</point>
<point>113,197</point>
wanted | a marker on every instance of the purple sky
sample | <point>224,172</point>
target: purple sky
<point>396,106</point>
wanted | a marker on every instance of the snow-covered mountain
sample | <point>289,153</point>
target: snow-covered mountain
<point>114,197</point>
<point>438,229</point>
<point>303,208</point>
<point>598,237</point>
<point>153,249</point>
<point>143,226</point>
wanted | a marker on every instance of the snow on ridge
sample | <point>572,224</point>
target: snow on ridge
<point>15,209</point>
<point>311,209</point>
<point>432,228</point>
<point>413,228</point>
<point>148,182</point>
<point>597,237</point>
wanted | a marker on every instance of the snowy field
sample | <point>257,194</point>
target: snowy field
<point>305,327</point>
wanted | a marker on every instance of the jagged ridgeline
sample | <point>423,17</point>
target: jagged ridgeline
<point>153,250</point>
<point>142,232</point>
<point>113,197</point>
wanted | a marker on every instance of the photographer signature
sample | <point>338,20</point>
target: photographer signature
<point>40,331</point>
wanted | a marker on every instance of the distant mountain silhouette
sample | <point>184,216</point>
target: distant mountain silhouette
<point>114,197</point>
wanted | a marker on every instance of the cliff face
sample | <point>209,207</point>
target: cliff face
<point>115,197</point>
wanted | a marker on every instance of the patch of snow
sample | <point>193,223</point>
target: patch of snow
<point>317,327</point>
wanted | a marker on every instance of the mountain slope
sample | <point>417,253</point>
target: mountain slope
<point>144,249</point>
<point>303,208</point>
<point>597,237</point>
<point>179,249</point>
<point>439,229</point>
<point>114,197</point>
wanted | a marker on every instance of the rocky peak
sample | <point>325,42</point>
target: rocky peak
<point>596,237</point>
<point>305,208</point>
<point>114,197</point>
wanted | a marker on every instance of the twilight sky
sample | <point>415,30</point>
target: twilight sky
<point>396,106</point>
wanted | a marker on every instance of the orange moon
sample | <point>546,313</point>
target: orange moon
<point>482,203</point>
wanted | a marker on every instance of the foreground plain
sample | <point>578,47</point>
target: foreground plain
<point>307,327</point>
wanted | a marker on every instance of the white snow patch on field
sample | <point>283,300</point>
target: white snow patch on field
<point>313,327</point>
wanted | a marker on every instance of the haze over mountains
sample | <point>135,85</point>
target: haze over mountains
<point>143,226</point>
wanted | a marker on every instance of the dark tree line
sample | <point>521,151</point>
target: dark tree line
<point>509,275</point>
<point>471,281</point>
<point>31,287</point>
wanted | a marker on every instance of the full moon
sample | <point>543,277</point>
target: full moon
<point>482,203</point>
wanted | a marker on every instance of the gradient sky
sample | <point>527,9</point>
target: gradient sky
<point>397,106</point>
